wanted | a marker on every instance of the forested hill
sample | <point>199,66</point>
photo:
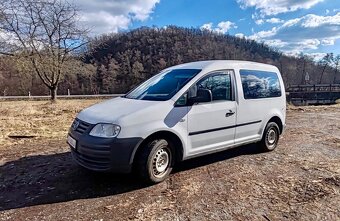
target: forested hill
<point>114,63</point>
<point>127,58</point>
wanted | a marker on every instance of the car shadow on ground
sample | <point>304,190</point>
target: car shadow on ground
<point>45,179</point>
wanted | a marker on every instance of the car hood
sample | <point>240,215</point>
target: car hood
<point>112,110</point>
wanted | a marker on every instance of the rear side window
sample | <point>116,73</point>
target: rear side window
<point>260,84</point>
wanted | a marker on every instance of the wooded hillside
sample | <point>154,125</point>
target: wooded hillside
<point>115,63</point>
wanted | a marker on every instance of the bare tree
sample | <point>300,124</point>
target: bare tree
<point>44,32</point>
<point>336,62</point>
<point>325,61</point>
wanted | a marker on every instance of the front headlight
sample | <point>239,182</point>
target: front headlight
<point>105,130</point>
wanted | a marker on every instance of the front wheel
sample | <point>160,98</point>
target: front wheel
<point>155,160</point>
<point>270,137</point>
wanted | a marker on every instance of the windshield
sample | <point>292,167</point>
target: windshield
<point>163,86</point>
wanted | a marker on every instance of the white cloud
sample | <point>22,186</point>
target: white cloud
<point>328,42</point>
<point>313,21</point>
<point>316,56</point>
<point>274,7</point>
<point>263,34</point>
<point>259,21</point>
<point>222,27</point>
<point>277,43</point>
<point>8,41</point>
<point>270,20</point>
<point>291,22</point>
<point>308,44</point>
<point>6,36</point>
<point>302,34</point>
<point>113,15</point>
<point>239,35</point>
<point>207,26</point>
<point>275,20</point>
<point>104,22</point>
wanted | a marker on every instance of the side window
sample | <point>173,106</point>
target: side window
<point>218,83</point>
<point>260,84</point>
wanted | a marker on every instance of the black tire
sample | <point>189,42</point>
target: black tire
<point>155,161</point>
<point>270,137</point>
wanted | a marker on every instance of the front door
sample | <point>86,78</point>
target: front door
<point>211,125</point>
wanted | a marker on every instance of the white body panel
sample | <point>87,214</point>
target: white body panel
<point>207,117</point>
<point>141,118</point>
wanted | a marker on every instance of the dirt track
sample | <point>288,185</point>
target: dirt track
<point>298,181</point>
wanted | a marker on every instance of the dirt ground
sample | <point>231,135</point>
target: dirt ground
<point>300,180</point>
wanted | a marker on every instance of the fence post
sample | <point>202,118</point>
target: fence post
<point>68,92</point>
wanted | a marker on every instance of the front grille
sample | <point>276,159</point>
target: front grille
<point>80,126</point>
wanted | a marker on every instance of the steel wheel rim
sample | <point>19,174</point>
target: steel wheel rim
<point>161,162</point>
<point>271,138</point>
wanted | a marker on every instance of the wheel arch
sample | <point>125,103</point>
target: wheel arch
<point>179,147</point>
<point>278,121</point>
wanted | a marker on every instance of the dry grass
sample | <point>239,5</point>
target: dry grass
<point>41,119</point>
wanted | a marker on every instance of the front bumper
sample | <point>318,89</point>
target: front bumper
<point>104,154</point>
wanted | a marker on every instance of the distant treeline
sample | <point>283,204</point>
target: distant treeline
<point>117,62</point>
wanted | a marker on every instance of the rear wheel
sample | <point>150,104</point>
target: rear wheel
<point>270,137</point>
<point>155,161</point>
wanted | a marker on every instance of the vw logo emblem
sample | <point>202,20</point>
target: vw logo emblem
<point>75,125</point>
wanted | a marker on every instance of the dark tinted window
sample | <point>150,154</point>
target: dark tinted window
<point>260,84</point>
<point>219,84</point>
<point>163,86</point>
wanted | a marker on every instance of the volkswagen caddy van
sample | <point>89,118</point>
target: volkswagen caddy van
<point>183,112</point>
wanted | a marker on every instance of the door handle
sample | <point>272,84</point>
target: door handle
<point>230,113</point>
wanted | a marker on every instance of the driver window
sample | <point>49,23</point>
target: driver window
<point>218,83</point>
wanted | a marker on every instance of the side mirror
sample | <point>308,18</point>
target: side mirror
<point>203,95</point>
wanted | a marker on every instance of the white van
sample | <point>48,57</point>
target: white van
<point>183,112</point>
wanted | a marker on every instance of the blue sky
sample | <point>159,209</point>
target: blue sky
<point>293,26</point>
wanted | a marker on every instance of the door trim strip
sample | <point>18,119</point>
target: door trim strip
<point>223,128</point>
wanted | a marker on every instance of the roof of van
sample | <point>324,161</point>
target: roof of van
<point>229,63</point>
